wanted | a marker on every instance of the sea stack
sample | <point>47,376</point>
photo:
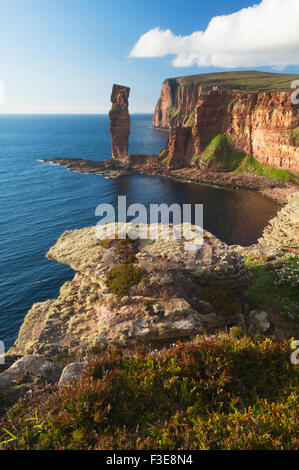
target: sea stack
<point>120,122</point>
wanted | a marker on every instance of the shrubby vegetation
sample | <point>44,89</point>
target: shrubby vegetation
<point>125,275</point>
<point>120,278</point>
<point>220,149</point>
<point>275,286</point>
<point>224,392</point>
<point>221,296</point>
<point>287,272</point>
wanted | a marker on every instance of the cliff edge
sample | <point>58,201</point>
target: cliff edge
<point>254,109</point>
<point>128,292</point>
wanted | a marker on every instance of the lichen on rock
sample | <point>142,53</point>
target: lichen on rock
<point>159,301</point>
<point>172,292</point>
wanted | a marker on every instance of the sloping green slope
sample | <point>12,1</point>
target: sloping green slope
<point>245,80</point>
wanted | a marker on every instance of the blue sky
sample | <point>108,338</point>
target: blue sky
<point>62,56</point>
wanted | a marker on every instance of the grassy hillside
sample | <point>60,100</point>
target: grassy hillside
<point>221,153</point>
<point>247,80</point>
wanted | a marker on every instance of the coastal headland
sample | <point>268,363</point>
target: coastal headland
<point>197,343</point>
<point>237,130</point>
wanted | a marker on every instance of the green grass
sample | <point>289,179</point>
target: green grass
<point>250,165</point>
<point>221,151</point>
<point>219,142</point>
<point>220,148</point>
<point>245,80</point>
<point>188,120</point>
<point>225,392</point>
<point>174,112</point>
<point>270,289</point>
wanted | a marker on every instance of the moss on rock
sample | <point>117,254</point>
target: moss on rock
<point>120,278</point>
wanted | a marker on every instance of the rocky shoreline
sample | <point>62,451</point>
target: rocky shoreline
<point>273,189</point>
<point>173,161</point>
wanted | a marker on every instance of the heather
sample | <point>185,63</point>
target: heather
<point>226,391</point>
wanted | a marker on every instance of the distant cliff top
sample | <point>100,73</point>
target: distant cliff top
<point>245,80</point>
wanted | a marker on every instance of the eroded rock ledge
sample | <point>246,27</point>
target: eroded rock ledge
<point>178,293</point>
<point>281,235</point>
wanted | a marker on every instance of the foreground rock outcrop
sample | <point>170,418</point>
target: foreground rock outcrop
<point>29,366</point>
<point>25,375</point>
<point>71,373</point>
<point>128,292</point>
<point>254,109</point>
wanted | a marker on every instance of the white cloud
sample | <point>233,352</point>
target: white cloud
<point>266,34</point>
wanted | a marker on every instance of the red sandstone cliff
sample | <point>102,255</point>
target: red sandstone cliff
<point>120,122</point>
<point>254,109</point>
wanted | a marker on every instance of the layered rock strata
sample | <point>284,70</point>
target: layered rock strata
<point>208,109</point>
<point>120,122</point>
<point>262,123</point>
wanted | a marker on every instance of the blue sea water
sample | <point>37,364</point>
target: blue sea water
<point>39,201</point>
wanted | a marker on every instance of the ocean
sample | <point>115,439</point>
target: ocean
<point>39,201</point>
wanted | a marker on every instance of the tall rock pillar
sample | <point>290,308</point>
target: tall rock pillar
<point>120,122</point>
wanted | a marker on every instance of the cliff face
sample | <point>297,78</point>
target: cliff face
<point>262,123</point>
<point>119,122</point>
